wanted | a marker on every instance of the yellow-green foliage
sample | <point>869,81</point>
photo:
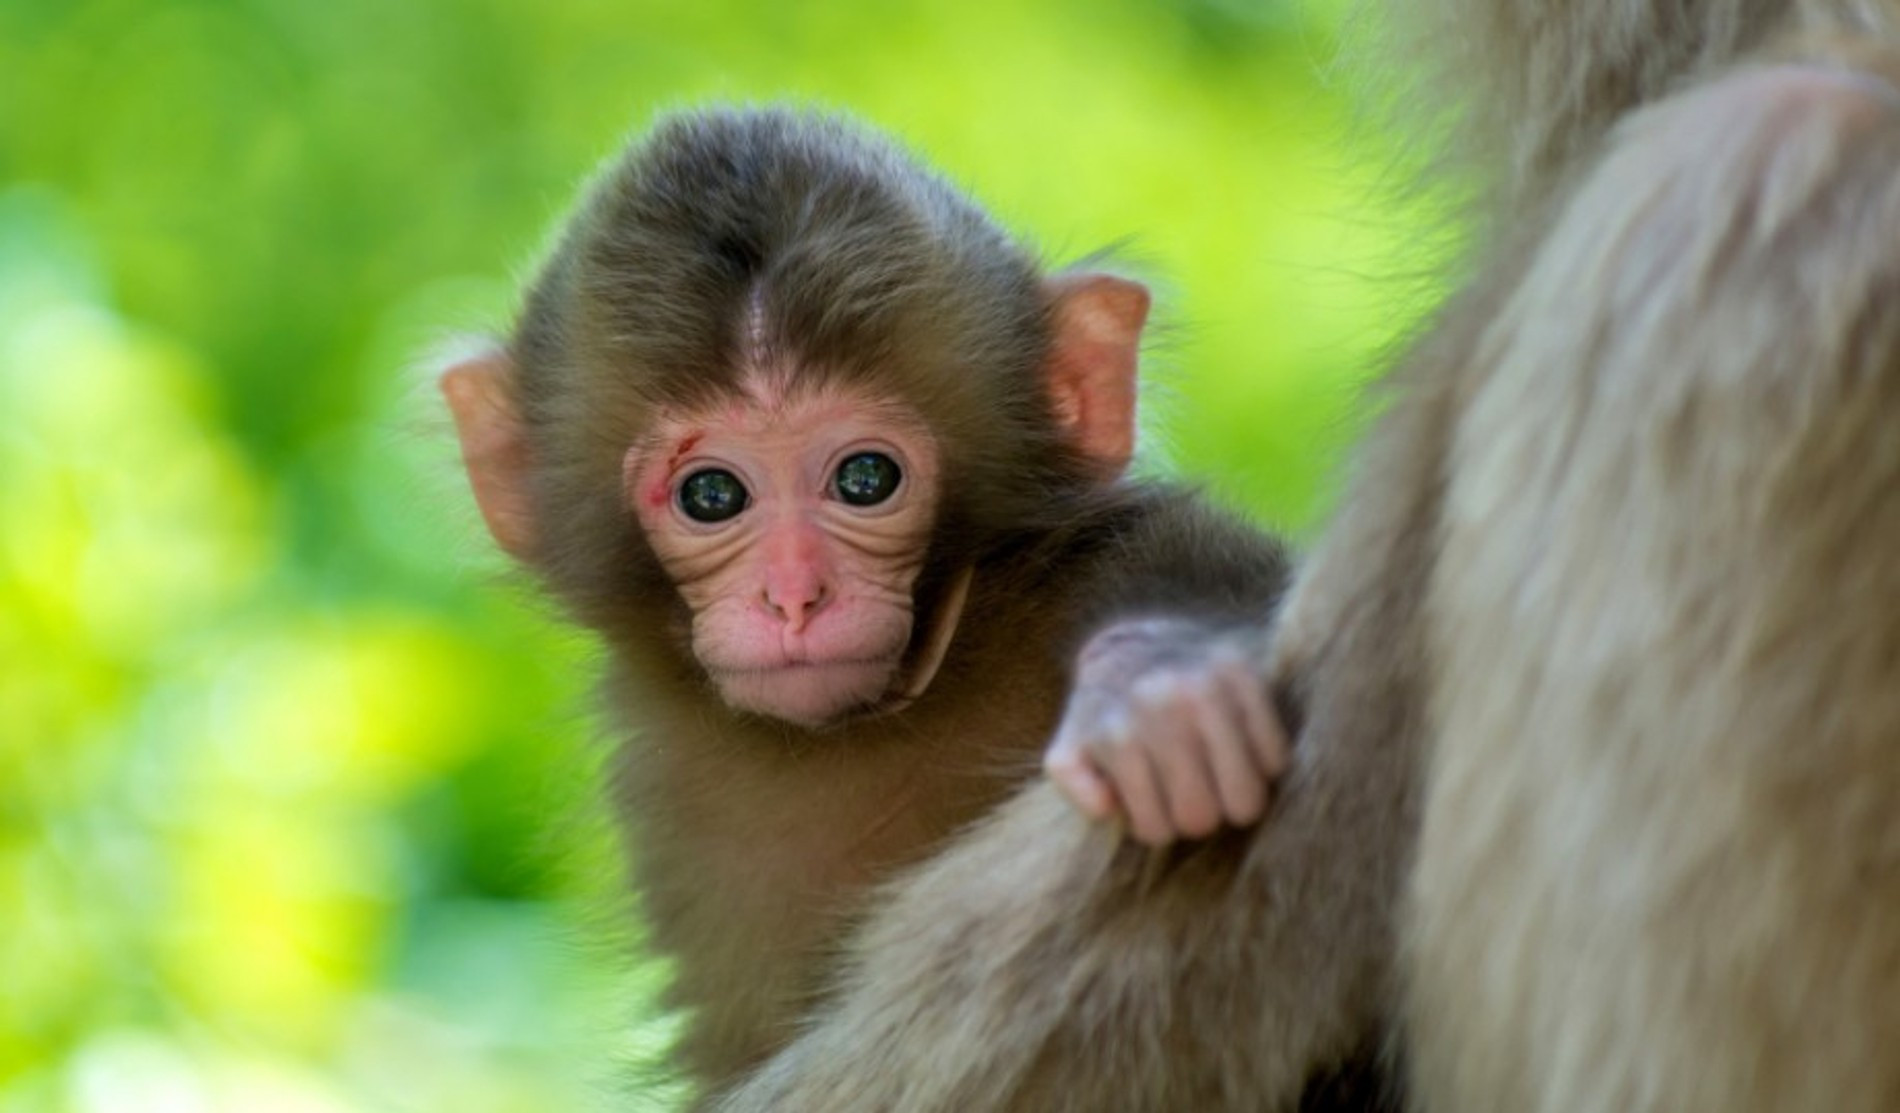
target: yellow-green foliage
<point>292,804</point>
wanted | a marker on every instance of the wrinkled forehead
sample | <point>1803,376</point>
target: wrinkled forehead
<point>765,403</point>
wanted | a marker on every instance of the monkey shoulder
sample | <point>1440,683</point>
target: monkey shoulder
<point>1162,548</point>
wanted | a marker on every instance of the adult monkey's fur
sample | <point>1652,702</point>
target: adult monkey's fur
<point>1612,607</point>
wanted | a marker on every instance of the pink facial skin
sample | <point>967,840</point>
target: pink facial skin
<point>801,602</point>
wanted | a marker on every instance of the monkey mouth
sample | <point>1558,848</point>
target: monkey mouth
<point>798,661</point>
<point>808,692</point>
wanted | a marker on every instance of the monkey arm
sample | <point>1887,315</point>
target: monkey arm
<point>1178,562</point>
<point>1169,725</point>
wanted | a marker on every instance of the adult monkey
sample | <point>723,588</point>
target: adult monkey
<point>1635,503</point>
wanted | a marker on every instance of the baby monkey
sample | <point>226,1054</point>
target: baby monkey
<point>835,470</point>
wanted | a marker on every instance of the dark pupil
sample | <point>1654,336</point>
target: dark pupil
<point>867,478</point>
<point>712,495</point>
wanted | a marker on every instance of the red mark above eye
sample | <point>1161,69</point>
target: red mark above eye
<point>686,446</point>
<point>655,495</point>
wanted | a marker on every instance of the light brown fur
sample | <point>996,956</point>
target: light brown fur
<point>1616,589</point>
<point>1660,864</point>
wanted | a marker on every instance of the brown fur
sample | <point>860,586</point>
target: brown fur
<point>1613,602</point>
<point>731,241</point>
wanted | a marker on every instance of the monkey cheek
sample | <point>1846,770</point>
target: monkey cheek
<point>807,695</point>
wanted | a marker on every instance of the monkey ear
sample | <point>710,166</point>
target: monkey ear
<point>480,394</point>
<point>1091,373</point>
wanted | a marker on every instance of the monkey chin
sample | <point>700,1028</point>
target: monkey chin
<point>809,694</point>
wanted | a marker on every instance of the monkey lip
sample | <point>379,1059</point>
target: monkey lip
<point>794,662</point>
<point>808,692</point>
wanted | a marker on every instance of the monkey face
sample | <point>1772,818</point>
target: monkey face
<point>793,524</point>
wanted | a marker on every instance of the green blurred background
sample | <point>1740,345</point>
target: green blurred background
<point>294,790</point>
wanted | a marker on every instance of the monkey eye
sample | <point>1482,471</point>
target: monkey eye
<point>867,479</point>
<point>712,495</point>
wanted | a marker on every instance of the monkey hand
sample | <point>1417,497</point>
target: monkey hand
<point>1169,731</point>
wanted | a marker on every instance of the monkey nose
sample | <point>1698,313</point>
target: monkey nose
<point>794,606</point>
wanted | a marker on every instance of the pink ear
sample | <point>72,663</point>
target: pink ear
<point>479,392</point>
<point>1093,357</point>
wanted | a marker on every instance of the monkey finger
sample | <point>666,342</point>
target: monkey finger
<point>1187,781</point>
<point>1238,781</point>
<point>1135,783</point>
<point>1078,780</point>
<point>1265,735</point>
